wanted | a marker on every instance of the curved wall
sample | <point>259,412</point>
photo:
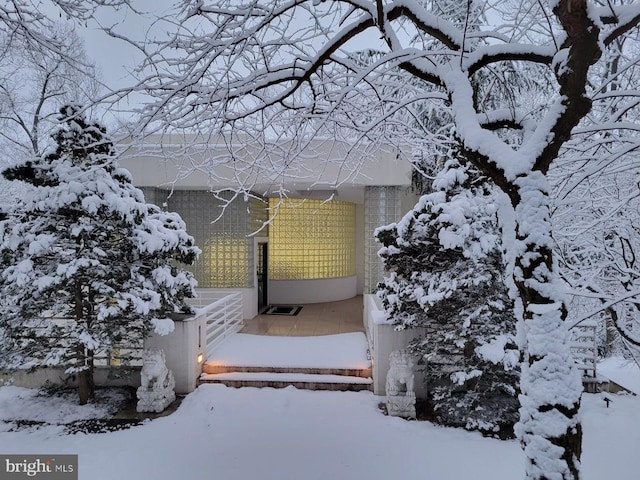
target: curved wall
<point>311,239</point>
<point>312,291</point>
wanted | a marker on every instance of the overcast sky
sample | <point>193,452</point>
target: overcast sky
<point>114,56</point>
<point>116,59</point>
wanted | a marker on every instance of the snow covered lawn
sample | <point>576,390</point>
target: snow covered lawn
<point>224,434</point>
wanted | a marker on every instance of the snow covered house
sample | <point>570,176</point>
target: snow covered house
<point>317,245</point>
<point>281,229</point>
<point>273,230</point>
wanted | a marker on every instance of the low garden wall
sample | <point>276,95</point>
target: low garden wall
<point>103,376</point>
<point>383,339</point>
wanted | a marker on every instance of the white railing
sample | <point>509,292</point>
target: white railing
<point>206,297</point>
<point>585,348</point>
<point>221,315</point>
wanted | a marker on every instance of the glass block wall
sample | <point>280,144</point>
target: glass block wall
<point>154,195</point>
<point>227,258</point>
<point>382,206</point>
<point>311,239</point>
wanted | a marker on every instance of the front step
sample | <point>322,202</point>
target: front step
<point>330,362</point>
<point>213,369</point>
<point>307,381</point>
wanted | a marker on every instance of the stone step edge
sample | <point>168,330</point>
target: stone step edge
<point>349,372</point>
<point>348,387</point>
<point>284,377</point>
<point>335,387</point>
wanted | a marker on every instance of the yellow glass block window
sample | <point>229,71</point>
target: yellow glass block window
<point>311,239</point>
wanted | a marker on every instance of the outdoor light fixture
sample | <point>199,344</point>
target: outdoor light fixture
<point>200,358</point>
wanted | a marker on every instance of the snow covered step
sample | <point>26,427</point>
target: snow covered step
<point>342,351</point>
<point>325,362</point>
<point>211,368</point>
<point>305,381</point>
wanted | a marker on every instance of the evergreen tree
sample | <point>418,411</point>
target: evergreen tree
<point>87,264</point>
<point>445,272</point>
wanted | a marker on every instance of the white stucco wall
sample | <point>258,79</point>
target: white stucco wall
<point>324,165</point>
<point>181,349</point>
<point>102,376</point>
<point>384,339</point>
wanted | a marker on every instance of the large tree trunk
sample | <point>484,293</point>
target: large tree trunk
<point>86,384</point>
<point>84,357</point>
<point>551,386</point>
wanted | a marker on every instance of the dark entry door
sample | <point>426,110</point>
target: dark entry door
<point>263,263</point>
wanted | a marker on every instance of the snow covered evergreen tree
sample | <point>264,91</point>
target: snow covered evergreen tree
<point>445,273</point>
<point>87,264</point>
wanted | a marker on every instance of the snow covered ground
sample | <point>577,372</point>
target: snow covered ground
<point>225,434</point>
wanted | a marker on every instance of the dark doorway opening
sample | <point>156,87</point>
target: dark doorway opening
<point>263,269</point>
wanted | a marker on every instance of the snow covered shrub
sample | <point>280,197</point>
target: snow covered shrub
<point>87,265</point>
<point>445,273</point>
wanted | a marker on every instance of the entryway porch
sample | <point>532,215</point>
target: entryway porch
<point>314,319</point>
<point>323,347</point>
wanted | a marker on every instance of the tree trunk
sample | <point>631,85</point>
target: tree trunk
<point>90,381</point>
<point>84,385</point>
<point>551,386</point>
<point>84,358</point>
<point>611,332</point>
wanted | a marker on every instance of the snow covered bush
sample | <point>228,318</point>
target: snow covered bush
<point>445,272</point>
<point>87,265</point>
